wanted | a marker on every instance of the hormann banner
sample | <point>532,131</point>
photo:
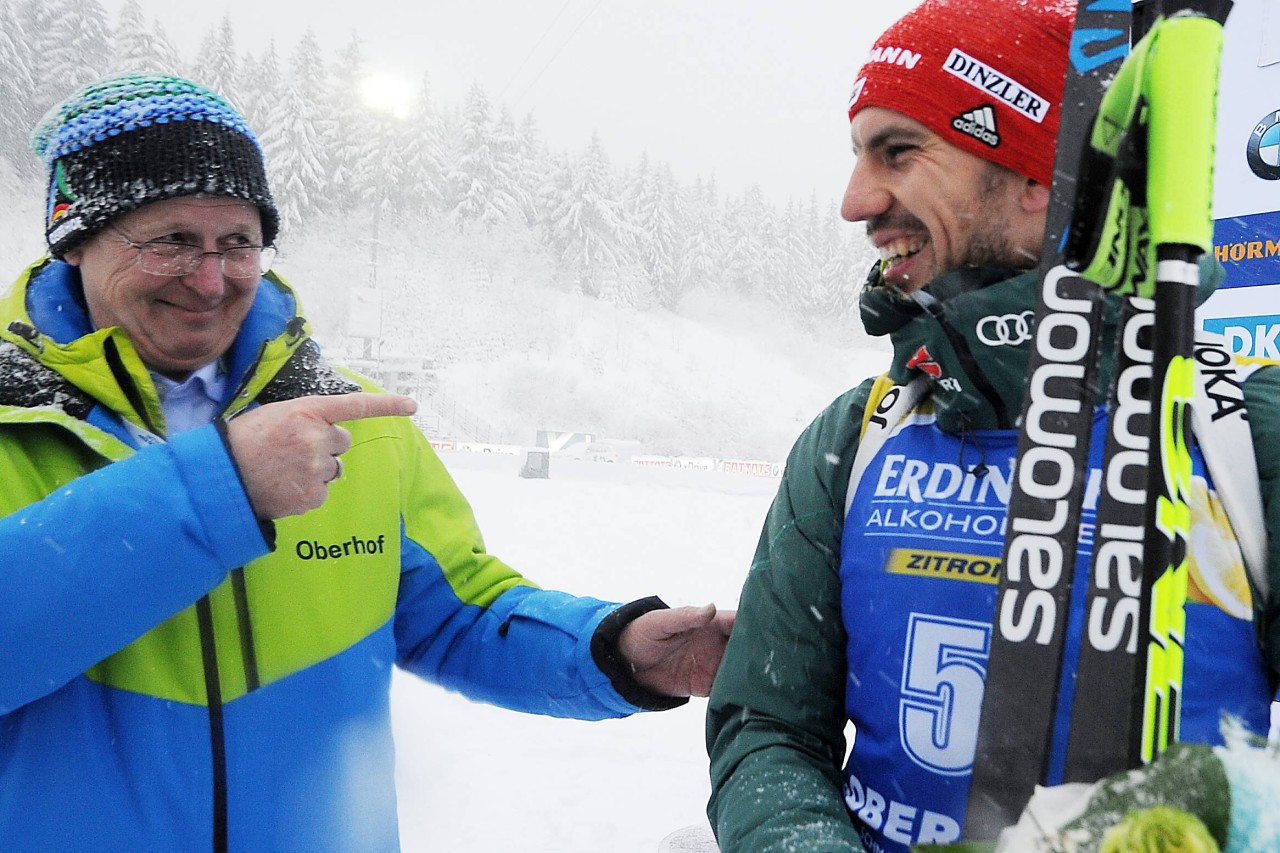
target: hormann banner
<point>1246,310</point>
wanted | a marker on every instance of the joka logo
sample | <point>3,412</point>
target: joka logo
<point>925,362</point>
<point>1264,147</point>
<point>980,123</point>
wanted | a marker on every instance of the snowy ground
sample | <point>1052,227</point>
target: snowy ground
<point>475,779</point>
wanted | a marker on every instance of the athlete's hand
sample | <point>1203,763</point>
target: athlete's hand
<point>1140,184</point>
<point>288,452</point>
<point>1108,241</point>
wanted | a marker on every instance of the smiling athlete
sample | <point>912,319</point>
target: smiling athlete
<point>872,594</point>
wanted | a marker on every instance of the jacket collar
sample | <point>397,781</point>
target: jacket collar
<point>971,334</point>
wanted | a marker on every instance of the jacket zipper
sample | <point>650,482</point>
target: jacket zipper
<point>217,736</point>
<point>126,383</point>
<point>968,362</point>
<point>247,652</point>
<point>213,688</point>
<point>208,645</point>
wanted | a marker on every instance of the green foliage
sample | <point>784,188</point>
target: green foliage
<point>1160,829</point>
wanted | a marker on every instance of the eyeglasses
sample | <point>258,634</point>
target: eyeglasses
<point>161,257</point>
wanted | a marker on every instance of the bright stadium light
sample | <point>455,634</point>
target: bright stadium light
<point>387,93</point>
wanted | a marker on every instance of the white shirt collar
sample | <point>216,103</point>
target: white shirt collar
<point>193,402</point>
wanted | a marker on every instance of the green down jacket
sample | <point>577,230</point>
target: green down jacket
<point>776,719</point>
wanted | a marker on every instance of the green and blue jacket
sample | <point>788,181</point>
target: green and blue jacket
<point>176,674</point>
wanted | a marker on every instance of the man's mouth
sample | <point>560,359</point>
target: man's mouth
<point>895,251</point>
<point>190,310</point>
<point>894,258</point>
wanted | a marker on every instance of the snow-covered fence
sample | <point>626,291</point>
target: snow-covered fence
<point>750,467</point>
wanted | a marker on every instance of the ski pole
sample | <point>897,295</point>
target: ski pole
<point>1182,86</point>
<point>1152,148</point>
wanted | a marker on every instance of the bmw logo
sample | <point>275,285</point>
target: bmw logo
<point>1264,148</point>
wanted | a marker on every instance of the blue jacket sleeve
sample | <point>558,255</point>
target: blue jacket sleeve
<point>472,623</point>
<point>528,651</point>
<point>100,561</point>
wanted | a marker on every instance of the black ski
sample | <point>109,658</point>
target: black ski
<point>1024,669</point>
<point>1110,671</point>
<point>1154,147</point>
<point>1142,196</point>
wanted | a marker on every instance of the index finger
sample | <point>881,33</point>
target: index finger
<point>361,404</point>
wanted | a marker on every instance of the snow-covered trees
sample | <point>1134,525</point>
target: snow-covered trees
<point>299,162</point>
<point>586,224</point>
<point>654,207</point>
<point>425,161</point>
<point>484,177</point>
<point>16,92</point>
<point>347,134</point>
<point>631,234</point>
<point>139,47</point>
<point>216,64</point>
<point>64,49</point>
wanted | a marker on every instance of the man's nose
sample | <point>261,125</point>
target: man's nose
<point>207,279</point>
<point>865,197</point>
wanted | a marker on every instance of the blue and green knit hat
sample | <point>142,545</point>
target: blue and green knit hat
<point>133,139</point>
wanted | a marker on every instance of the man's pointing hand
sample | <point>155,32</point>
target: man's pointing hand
<point>288,452</point>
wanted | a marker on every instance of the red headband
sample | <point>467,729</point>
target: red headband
<point>985,75</point>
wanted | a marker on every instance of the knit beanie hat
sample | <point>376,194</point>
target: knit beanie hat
<point>985,75</point>
<point>133,139</point>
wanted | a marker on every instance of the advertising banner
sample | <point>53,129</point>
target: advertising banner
<point>1246,206</point>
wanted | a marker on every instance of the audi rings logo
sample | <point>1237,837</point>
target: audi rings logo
<point>1005,330</point>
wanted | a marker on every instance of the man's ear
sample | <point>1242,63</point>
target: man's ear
<point>1035,197</point>
<point>74,257</point>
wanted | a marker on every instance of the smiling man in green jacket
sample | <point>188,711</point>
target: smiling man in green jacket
<point>869,605</point>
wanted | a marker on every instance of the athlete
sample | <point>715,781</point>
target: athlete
<point>218,545</point>
<point>873,603</point>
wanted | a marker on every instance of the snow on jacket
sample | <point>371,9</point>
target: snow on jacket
<point>172,672</point>
<point>813,648</point>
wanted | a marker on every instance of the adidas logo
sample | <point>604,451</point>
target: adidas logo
<point>979,123</point>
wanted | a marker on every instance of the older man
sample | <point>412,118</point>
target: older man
<point>219,544</point>
<point>871,597</point>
